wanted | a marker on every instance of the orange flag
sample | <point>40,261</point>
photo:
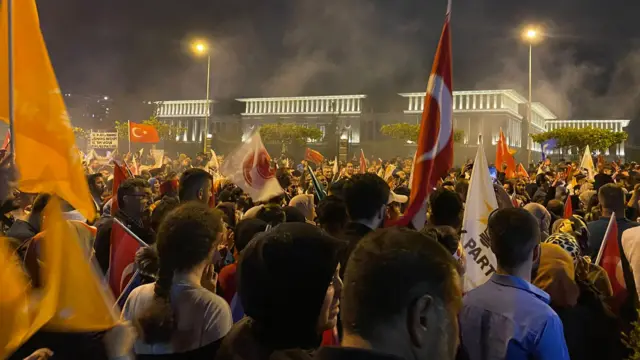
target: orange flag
<point>74,297</point>
<point>504,155</point>
<point>15,324</point>
<point>46,156</point>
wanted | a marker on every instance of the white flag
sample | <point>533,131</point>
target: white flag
<point>336,169</point>
<point>213,162</point>
<point>158,155</point>
<point>481,201</point>
<point>249,167</point>
<point>587,163</point>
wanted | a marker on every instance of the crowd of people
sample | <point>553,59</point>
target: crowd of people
<point>316,272</point>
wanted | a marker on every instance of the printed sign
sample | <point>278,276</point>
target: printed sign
<point>103,140</point>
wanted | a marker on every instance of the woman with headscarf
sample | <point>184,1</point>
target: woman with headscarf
<point>590,329</point>
<point>542,215</point>
<point>305,204</point>
<point>289,287</point>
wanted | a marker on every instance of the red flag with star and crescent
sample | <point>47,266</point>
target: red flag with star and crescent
<point>140,133</point>
<point>434,156</point>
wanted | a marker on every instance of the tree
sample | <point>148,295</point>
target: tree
<point>289,134</point>
<point>406,131</point>
<point>578,139</point>
<point>165,131</point>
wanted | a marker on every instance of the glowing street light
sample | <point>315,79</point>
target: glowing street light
<point>200,47</point>
<point>531,35</point>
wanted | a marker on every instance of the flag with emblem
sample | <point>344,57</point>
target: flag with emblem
<point>46,155</point>
<point>313,156</point>
<point>249,167</point>
<point>74,297</point>
<point>434,155</point>
<point>481,202</point>
<point>587,163</point>
<point>124,245</point>
<point>141,133</point>
<point>613,260</point>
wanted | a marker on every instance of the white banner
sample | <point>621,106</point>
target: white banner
<point>103,140</point>
<point>481,201</point>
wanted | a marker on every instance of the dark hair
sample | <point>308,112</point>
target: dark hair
<point>128,187</point>
<point>462,188</point>
<point>185,239</point>
<point>446,208</point>
<point>91,179</point>
<point>332,214</point>
<point>336,188</point>
<point>246,230</point>
<point>541,179</point>
<point>272,214</point>
<point>395,261</point>
<point>229,213</point>
<point>556,207</point>
<point>611,197</point>
<point>364,195</point>
<point>40,202</point>
<point>293,215</point>
<point>514,233</point>
<point>445,235</point>
<point>191,181</point>
<point>161,210</point>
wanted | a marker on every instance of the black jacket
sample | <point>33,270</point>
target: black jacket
<point>352,235</point>
<point>102,245</point>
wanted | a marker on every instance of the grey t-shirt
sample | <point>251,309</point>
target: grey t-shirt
<point>202,317</point>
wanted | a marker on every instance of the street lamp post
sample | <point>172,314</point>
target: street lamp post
<point>201,48</point>
<point>531,35</point>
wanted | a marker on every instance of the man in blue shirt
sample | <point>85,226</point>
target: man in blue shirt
<point>508,317</point>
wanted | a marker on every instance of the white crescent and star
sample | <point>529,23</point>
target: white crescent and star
<point>442,94</point>
<point>133,132</point>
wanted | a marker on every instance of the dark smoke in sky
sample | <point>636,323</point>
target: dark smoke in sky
<point>589,66</point>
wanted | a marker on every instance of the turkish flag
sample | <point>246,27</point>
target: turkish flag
<point>610,259</point>
<point>140,133</point>
<point>504,155</point>
<point>122,257</point>
<point>434,156</point>
<point>568,208</point>
<point>120,174</point>
<point>313,156</point>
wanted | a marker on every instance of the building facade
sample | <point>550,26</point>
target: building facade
<point>480,114</point>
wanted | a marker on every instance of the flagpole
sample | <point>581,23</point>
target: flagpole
<point>604,240</point>
<point>12,133</point>
<point>129,133</point>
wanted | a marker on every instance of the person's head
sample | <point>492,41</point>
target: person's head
<point>515,239</point>
<point>289,284</point>
<point>337,188</point>
<point>556,207</point>
<point>462,188</point>
<point>97,185</point>
<point>366,196</point>
<point>420,320</point>
<point>195,185</point>
<point>509,187</point>
<point>611,198</point>
<point>185,244</point>
<point>332,215</point>
<point>542,216</point>
<point>293,214</point>
<point>305,204</point>
<point>272,214</point>
<point>134,197</point>
<point>245,231</point>
<point>160,211</point>
<point>327,171</point>
<point>349,170</point>
<point>94,164</point>
<point>446,208</point>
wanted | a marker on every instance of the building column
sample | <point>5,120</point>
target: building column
<point>410,103</point>
<point>358,101</point>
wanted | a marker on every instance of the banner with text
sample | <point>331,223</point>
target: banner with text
<point>103,140</point>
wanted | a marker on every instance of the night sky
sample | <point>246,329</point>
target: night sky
<point>587,66</point>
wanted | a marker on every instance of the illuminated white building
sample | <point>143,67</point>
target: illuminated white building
<point>613,125</point>
<point>480,114</point>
